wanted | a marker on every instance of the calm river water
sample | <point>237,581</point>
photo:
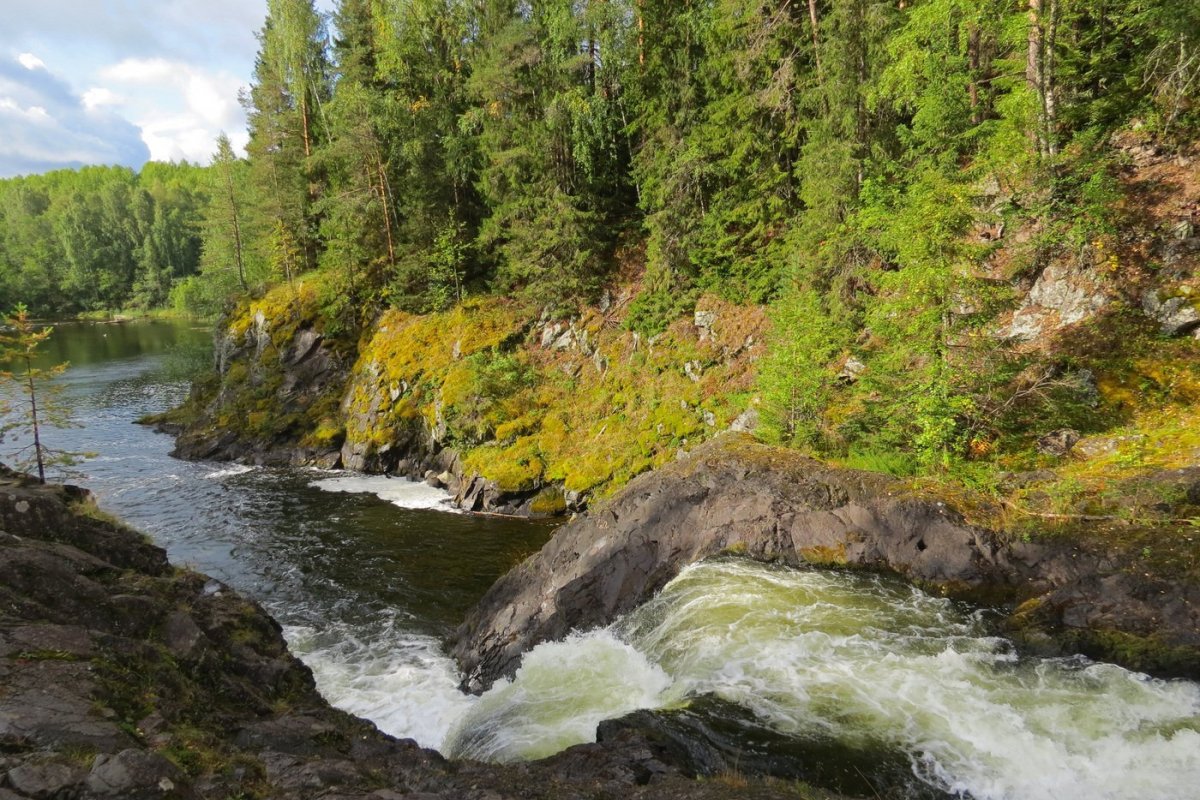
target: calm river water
<point>367,574</point>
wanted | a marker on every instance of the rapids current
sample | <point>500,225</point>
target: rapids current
<point>368,575</point>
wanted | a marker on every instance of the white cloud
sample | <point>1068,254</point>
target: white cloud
<point>180,107</point>
<point>172,67</point>
<point>98,96</point>
<point>45,124</point>
<point>143,70</point>
<point>30,61</point>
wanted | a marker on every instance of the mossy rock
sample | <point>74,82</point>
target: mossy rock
<point>549,502</point>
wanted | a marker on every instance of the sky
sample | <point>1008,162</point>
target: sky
<point>122,81</point>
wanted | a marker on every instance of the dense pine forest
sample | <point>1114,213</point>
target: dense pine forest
<point>888,177</point>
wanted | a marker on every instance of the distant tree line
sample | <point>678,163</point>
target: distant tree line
<point>99,237</point>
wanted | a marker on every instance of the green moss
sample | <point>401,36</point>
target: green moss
<point>825,556</point>
<point>548,503</point>
<point>1142,653</point>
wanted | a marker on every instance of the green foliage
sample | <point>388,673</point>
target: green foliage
<point>797,378</point>
<point>851,162</point>
<point>36,404</point>
<point>100,238</point>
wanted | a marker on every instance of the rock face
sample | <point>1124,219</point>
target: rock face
<point>735,495</point>
<point>124,677</point>
<point>1066,293</point>
<point>274,382</point>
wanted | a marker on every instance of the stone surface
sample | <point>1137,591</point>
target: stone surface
<point>134,775</point>
<point>1066,293</point>
<point>1059,442</point>
<point>1176,316</point>
<point>734,494</point>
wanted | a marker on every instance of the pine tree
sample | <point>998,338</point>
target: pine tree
<point>19,344</point>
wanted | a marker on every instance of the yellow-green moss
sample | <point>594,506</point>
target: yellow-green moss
<point>549,502</point>
<point>515,468</point>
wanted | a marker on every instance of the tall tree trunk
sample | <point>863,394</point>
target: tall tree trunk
<point>385,203</point>
<point>304,132</point>
<point>641,39</point>
<point>1050,92</point>
<point>1039,71</point>
<point>816,39</point>
<point>1033,69</point>
<point>237,230</point>
<point>974,60</point>
<point>37,433</point>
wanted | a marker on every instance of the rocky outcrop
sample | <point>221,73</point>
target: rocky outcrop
<point>735,495</point>
<point>1064,294</point>
<point>124,677</point>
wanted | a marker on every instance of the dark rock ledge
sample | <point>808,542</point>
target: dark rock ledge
<point>122,676</point>
<point>734,494</point>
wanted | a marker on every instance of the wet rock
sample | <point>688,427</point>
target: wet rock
<point>226,694</point>
<point>712,737</point>
<point>777,505</point>
<point>731,493</point>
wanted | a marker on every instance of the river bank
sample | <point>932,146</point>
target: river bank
<point>125,676</point>
<point>366,591</point>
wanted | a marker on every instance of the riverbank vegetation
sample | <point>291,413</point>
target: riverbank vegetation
<point>99,239</point>
<point>972,226</point>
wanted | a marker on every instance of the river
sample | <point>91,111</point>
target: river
<point>368,574</point>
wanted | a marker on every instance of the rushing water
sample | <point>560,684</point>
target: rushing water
<point>367,574</point>
<point>364,573</point>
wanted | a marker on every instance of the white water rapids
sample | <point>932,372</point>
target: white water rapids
<point>858,659</point>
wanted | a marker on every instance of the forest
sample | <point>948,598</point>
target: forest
<point>99,238</point>
<point>853,164</point>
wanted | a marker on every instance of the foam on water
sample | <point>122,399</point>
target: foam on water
<point>557,697</point>
<point>866,662</point>
<point>398,491</point>
<point>401,681</point>
<point>871,662</point>
<point>230,472</point>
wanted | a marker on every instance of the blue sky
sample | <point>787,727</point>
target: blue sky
<point>122,81</point>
